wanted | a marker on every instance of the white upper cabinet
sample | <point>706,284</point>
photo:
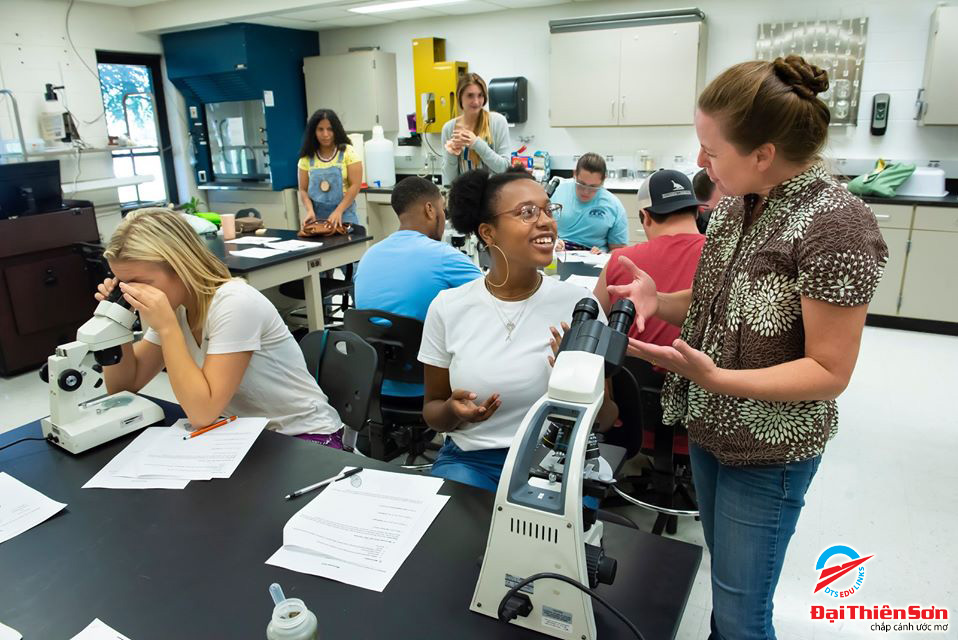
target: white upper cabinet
<point>584,79</point>
<point>939,95</point>
<point>360,87</point>
<point>628,76</point>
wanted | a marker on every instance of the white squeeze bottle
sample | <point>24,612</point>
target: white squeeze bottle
<point>380,161</point>
<point>291,619</point>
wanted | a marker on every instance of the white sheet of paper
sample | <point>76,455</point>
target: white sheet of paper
<point>361,535</point>
<point>258,253</point>
<point>587,257</point>
<point>252,240</point>
<point>294,245</point>
<point>7,633</point>
<point>22,507</point>
<point>99,630</point>
<point>588,282</point>
<point>215,454</point>
<point>107,477</point>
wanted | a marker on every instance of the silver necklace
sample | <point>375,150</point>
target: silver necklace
<point>329,159</point>
<point>510,324</point>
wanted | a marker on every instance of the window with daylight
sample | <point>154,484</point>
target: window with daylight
<point>132,101</point>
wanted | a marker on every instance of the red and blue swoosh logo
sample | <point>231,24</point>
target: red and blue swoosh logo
<point>830,574</point>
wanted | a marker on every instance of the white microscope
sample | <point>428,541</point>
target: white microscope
<point>82,415</point>
<point>541,541</point>
<point>467,244</point>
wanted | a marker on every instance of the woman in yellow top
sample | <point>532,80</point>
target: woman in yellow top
<point>330,172</point>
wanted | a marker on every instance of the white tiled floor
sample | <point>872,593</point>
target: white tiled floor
<point>888,486</point>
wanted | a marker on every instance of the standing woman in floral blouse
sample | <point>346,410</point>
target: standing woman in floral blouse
<point>770,329</point>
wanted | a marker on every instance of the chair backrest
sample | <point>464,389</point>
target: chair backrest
<point>347,370</point>
<point>649,382</point>
<point>625,391</point>
<point>396,339</point>
<point>661,440</point>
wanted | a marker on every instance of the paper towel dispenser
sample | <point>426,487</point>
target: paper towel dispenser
<point>509,96</point>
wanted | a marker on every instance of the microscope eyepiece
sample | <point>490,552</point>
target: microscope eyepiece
<point>116,297</point>
<point>585,309</point>
<point>622,316</point>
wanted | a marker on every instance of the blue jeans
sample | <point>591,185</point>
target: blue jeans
<point>480,468</point>
<point>748,516</point>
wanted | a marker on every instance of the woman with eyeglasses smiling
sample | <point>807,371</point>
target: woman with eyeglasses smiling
<point>486,344</point>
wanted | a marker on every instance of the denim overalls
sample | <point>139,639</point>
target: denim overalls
<point>324,202</point>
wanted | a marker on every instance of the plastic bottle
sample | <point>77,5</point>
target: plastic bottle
<point>52,126</point>
<point>292,621</point>
<point>380,160</point>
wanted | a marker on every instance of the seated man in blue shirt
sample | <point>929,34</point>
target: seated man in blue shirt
<point>403,273</point>
<point>592,218</point>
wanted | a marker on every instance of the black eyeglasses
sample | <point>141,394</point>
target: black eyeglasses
<point>529,213</point>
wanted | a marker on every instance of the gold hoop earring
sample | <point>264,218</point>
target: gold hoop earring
<point>506,260</point>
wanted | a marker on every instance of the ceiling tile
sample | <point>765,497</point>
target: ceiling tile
<point>317,14</point>
<point>354,20</point>
<point>465,8</point>
<point>283,21</point>
<point>127,3</point>
<point>418,13</point>
<point>524,4</point>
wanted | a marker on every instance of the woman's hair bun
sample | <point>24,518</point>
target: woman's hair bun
<point>805,79</point>
<point>466,200</point>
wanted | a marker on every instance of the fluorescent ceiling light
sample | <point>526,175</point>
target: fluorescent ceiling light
<point>398,6</point>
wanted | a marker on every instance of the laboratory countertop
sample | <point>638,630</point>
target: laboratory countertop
<point>237,186</point>
<point>950,200</point>
<point>631,185</point>
<point>191,563</point>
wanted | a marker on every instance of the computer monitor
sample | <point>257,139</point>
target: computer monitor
<point>30,187</point>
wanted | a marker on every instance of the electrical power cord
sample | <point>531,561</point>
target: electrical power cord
<point>10,444</point>
<point>66,24</point>
<point>556,576</point>
<point>431,156</point>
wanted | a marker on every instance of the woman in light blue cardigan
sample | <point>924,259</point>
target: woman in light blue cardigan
<point>477,138</point>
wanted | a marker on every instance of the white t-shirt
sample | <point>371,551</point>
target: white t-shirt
<point>465,332</point>
<point>276,384</point>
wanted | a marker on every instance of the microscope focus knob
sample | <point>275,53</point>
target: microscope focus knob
<point>70,380</point>
<point>45,373</point>
<point>600,567</point>
<point>607,569</point>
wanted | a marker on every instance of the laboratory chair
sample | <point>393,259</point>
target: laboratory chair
<point>666,487</point>
<point>345,366</point>
<point>399,427</point>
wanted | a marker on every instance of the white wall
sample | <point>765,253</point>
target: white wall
<point>511,43</point>
<point>34,51</point>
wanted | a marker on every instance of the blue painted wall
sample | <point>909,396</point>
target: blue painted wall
<point>240,62</point>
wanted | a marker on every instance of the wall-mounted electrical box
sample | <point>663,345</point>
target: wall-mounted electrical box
<point>433,74</point>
